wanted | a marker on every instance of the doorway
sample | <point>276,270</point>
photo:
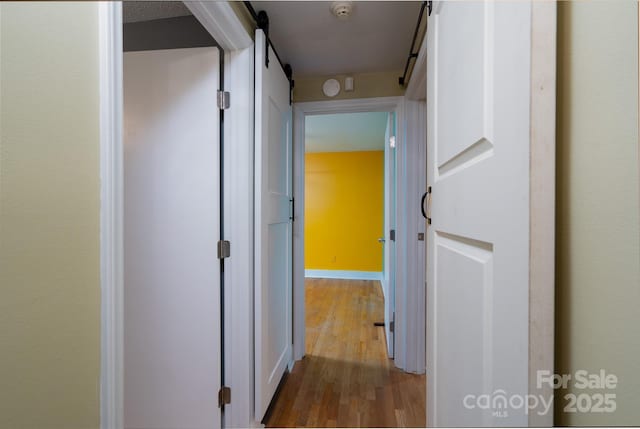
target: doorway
<point>406,291</point>
<point>173,343</point>
<point>348,176</point>
<point>347,377</point>
<point>328,266</point>
<point>236,179</point>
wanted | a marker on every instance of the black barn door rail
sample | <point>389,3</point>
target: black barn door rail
<point>413,55</point>
<point>262,22</point>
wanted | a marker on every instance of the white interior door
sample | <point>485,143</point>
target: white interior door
<point>389,282</point>
<point>273,245</point>
<point>479,85</point>
<point>171,229</point>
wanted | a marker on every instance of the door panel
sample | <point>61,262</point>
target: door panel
<point>273,258</point>
<point>478,83</point>
<point>461,89</point>
<point>171,224</point>
<point>464,276</point>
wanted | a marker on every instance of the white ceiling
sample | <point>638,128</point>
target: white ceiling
<point>375,38</point>
<point>345,132</point>
<point>136,11</point>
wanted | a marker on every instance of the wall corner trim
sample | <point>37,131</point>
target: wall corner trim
<point>111,219</point>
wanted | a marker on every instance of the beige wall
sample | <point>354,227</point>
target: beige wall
<point>49,216</point>
<point>384,84</point>
<point>598,237</point>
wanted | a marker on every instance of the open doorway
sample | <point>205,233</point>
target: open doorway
<point>346,166</point>
<point>172,296</point>
<point>401,290</point>
<point>345,197</point>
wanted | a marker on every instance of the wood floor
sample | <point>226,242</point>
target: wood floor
<point>346,380</point>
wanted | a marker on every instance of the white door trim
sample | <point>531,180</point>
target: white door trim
<point>300,111</point>
<point>238,229</point>
<point>416,159</point>
<point>410,335</point>
<point>542,195</point>
<point>222,22</point>
<point>111,215</point>
<point>391,248</point>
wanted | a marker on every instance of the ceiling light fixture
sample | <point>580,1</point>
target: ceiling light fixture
<point>342,9</point>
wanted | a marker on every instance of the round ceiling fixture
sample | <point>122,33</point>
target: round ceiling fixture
<point>331,87</point>
<point>342,9</point>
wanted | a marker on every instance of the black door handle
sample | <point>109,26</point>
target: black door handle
<point>422,208</point>
<point>424,197</point>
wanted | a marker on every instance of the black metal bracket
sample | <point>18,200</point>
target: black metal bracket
<point>288,72</point>
<point>262,21</point>
<point>428,5</point>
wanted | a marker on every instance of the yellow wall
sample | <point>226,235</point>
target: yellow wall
<point>49,216</point>
<point>366,85</point>
<point>344,210</point>
<point>598,235</point>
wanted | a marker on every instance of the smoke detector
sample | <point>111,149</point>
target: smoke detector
<point>342,9</point>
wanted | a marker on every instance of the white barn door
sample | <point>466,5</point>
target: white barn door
<point>172,363</point>
<point>479,139</point>
<point>273,227</point>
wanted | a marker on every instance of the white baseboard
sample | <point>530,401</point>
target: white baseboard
<point>341,274</point>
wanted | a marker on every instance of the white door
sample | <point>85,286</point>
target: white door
<point>273,233</point>
<point>171,229</point>
<point>478,95</point>
<point>389,281</point>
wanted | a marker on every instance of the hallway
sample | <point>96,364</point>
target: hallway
<point>346,380</point>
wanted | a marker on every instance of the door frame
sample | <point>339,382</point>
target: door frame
<point>222,22</point>
<point>390,246</point>
<point>416,114</point>
<point>542,201</point>
<point>404,312</point>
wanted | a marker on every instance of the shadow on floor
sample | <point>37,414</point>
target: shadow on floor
<point>346,379</point>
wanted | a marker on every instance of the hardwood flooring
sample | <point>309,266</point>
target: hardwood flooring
<point>346,379</point>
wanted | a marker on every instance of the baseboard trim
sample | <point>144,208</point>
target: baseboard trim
<point>341,274</point>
